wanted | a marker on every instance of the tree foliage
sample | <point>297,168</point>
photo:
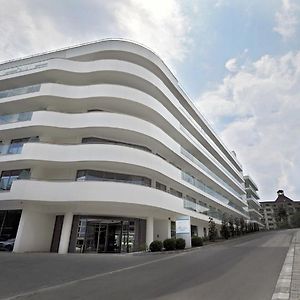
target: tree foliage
<point>212,230</point>
<point>225,228</point>
<point>295,219</point>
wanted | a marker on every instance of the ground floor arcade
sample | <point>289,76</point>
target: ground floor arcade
<point>40,229</point>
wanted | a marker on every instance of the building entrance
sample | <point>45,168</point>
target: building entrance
<point>97,235</point>
<point>102,236</point>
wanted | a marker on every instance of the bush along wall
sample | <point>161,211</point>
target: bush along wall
<point>197,241</point>
<point>156,246</point>
<point>180,244</point>
<point>169,244</point>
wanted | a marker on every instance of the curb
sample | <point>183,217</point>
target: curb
<point>288,284</point>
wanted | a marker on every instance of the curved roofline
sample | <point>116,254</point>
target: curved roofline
<point>87,44</point>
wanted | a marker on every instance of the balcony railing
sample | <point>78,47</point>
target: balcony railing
<point>192,138</point>
<point>13,118</point>
<point>207,170</point>
<point>193,205</point>
<point>20,91</point>
<point>6,149</point>
<point>22,69</point>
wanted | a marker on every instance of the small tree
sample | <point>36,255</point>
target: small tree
<point>282,217</point>
<point>212,230</point>
<point>242,224</point>
<point>231,226</point>
<point>225,228</point>
<point>295,219</point>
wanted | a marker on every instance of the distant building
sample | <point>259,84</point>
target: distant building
<point>280,211</point>
<point>252,198</point>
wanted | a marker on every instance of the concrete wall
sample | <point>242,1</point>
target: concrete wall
<point>162,229</point>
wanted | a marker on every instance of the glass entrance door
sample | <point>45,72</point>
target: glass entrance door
<point>102,236</point>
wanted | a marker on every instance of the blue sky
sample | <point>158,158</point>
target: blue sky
<point>238,60</point>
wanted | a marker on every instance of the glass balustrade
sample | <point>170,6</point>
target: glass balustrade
<point>22,69</point>
<point>6,149</point>
<point>20,91</point>
<point>13,118</point>
<point>202,166</point>
<point>193,205</point>
<point>203,187</point>
<point>192,138</point>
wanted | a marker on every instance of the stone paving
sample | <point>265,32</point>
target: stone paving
<point>295,285</point>
<point>288,284</point>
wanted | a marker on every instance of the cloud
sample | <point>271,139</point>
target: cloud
<point>31,26</point>
<point>256,111</point>
<point>231,65</point>
<point>287,19</point>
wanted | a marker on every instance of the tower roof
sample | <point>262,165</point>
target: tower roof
<point>282,198</point>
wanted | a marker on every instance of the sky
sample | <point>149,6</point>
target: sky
<point>238,60</point>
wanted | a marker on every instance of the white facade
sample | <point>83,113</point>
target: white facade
<point>254,207</point>
<point>103,130</point>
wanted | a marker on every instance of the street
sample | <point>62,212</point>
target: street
<point>238,269</point>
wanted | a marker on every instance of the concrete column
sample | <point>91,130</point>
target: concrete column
<point>162,229</point>
<point>34,232</point>
<point>169,229</point>
<point>65,233</point>
<point>149,230</point>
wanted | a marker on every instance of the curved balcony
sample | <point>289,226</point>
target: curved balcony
<point>110,157</point>
<point>125,100</point>
<point>122,50</point>
<point>132,75</point>
<point>115,124</point>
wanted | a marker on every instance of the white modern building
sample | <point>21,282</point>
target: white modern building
<point>102,151</point>
<point>254,207</point>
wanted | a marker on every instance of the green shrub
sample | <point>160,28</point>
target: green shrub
<point>156,246</point>
<point>197,241</point>
<point>180,243</point>
<point>170,244</point>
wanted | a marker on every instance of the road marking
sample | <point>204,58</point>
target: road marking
<point>68,283</point>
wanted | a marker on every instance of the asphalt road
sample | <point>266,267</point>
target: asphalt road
<point>244,268</point>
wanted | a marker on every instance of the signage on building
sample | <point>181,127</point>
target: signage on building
<point>183,225</point>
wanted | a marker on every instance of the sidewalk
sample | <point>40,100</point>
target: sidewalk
<point>288,284</point>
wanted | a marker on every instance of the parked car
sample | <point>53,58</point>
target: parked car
<point>7,245</point>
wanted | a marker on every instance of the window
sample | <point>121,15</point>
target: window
<point>161,186</point>
<point>95,110</point>
<point>175,193</point>
<point>9,222</point>
<point>17,145</point>
<point>173,229</point>
<point>92,175</point>
<point>7,177</point>
<point>95,140</point>
<point>194,230</point>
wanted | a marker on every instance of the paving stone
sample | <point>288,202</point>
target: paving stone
<point>281,296</point>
